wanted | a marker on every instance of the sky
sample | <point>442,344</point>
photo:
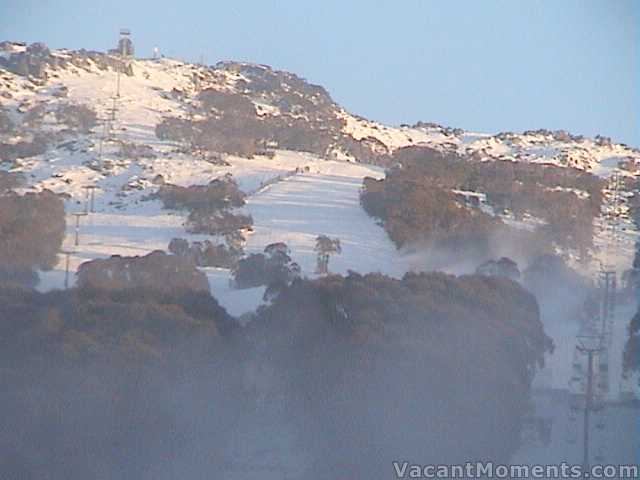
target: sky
<point>487,66</point>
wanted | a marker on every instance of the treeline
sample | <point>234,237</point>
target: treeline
<point>135,382</point>
<point>417,204</point>
<point>32,227</point>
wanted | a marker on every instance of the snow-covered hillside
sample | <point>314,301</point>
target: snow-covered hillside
<point>153,89</point>
<point>322,200</point>
<point>293,195</point>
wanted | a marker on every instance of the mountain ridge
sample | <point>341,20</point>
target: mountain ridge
<point>307,108</point>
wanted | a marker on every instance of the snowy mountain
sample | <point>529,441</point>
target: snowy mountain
<point>31,74</point>
<point>108,133</point>
<point>299,155</point>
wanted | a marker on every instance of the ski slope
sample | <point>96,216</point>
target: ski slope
<point>322,200</point>
<point>304,206</point>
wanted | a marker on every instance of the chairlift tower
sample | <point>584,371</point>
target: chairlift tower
<point>77,229</point>
<point>612,213</point>
<point>90,196</point>
<point>124,52</point>
<point>608,287</point>
<point>67,254</point>
<point>590,346</point>
<point>590,383</point>
<point>106,134</point>
<point>607,278</point>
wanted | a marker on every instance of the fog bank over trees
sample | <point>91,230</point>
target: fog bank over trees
<point>127,382</point>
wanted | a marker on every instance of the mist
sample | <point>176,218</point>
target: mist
<point>215,270</point>
<point>316,386</point>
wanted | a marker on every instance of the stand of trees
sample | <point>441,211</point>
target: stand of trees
<point>25,136</point>
<point>431,366</point>
<point>142,376</point>
<point>37,61</point>
<point>206,254</point>
<point>504,267</point>
<point>416,210</point>
<point>79,118</point>
<point>97,324</point>
<point>631,280</point>
<point>273,268</point>
<point>632,347</point>
<point>417,205</point>
<point>156,271</point>
<point>219,194</point>
<point>107,384</point>
<point>325,247</point>
<point>232,125</point>
<point>208,206</point>
<point>307,119</point>
<point>217,222</point>
<point>32,228</point>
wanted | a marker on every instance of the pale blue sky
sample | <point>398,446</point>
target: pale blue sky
<point>480,65</point>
